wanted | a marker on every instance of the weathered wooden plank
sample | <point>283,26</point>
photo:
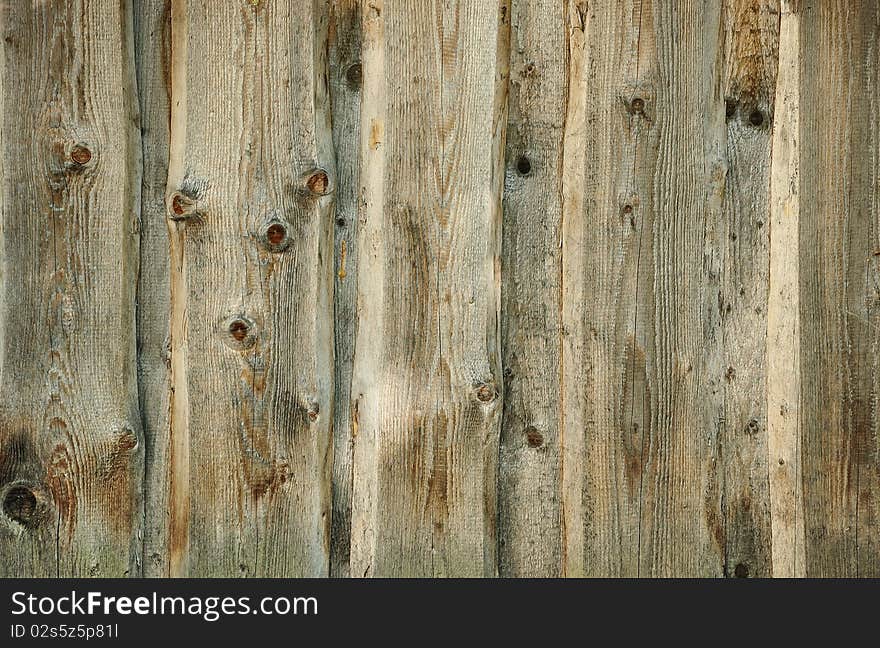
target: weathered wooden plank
<point>783,334</point>
<point>839,229</point>
<point>736,268</point>
<point>530,532</point>
<point>664,288</point>
<point>250,180</point>
<point>71,452</point>
<point>427,382</point>
<point>152,37</point>
<point>607,251</point>
<point>345,83</point>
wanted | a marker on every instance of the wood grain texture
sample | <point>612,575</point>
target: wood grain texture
<point>839,230</point>
<point>529,471</point>
<point>440,288</point>
<point>783,313</point>
<point>427,382</point>
<point>71,449</point>
<point>664,276</point>
<point>736,266</point>
<point>152,38</point>
<point>252,327</point>
<point>346,76</point>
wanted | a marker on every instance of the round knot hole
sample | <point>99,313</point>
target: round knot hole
<point>276,233</point>
<point>318,182</point>
<point>20,504</point>
<point>741,570</point>
<point>756,118</point>
<point>238,329</point>
<point>81,155</point>
<point>637,106</point>
<point>486,393</point>
<point>523,165</point>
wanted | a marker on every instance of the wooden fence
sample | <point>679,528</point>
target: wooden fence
<point>424,288</point>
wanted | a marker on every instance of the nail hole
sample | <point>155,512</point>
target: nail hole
<point>20,504</point>
<point>340,222</point>
<point>318,182</point>
<point>756,118</point>
<point>354,75</point>
<point>627,210</point>
<point>781,461</point>
<point>534,437</point>
<point>523,165</point>
<point>741,570</point>
<point>81,155</point>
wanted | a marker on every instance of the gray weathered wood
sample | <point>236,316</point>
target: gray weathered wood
<point>71,451</point>
<point>427,379</point>
<point>529,472</point>
<point>345,83</point>
<point>839,251</point>
<point>152,37</point>
<point>250,190</point>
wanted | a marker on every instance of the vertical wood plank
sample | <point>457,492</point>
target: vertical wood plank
<point>71,449</point>
<point>427,383</point>
<point>346,74</point>
<point>530,542</point>
<point>664,289</point>
<point>839,230</point>
<point>152,37</point>
<point>250,184</point>
<point>783,334</point>
<point>607,250</point>
<point>736,268</point>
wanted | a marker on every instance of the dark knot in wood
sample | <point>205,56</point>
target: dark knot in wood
<point>20,505</point>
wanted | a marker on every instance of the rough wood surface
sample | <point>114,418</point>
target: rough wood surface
<point>249,196</point>
<point>408,288</point>
<point>346,74</point>
<point>152,38</point>
<point>783,313</point>
<point>71,450</point>
<point>839,247</point>
<point>529,496</point>
<point>427,384</point>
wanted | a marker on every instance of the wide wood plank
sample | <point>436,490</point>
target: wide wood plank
<point>427,385</point>
<point>71,448</point>
<point>839,248</point>
<point>665,205</point>
<point>250,184</point>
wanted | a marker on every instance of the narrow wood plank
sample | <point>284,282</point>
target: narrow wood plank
<point>152,37</point>
<point>71,449</point>
<point>839,229</point>
<point>346,74</point>
<point>783,334</point>
<point>736,269</point>
<point>427,382</point>
<point>530,538</point>
<point>608,310</point>
<point>250,184</point>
